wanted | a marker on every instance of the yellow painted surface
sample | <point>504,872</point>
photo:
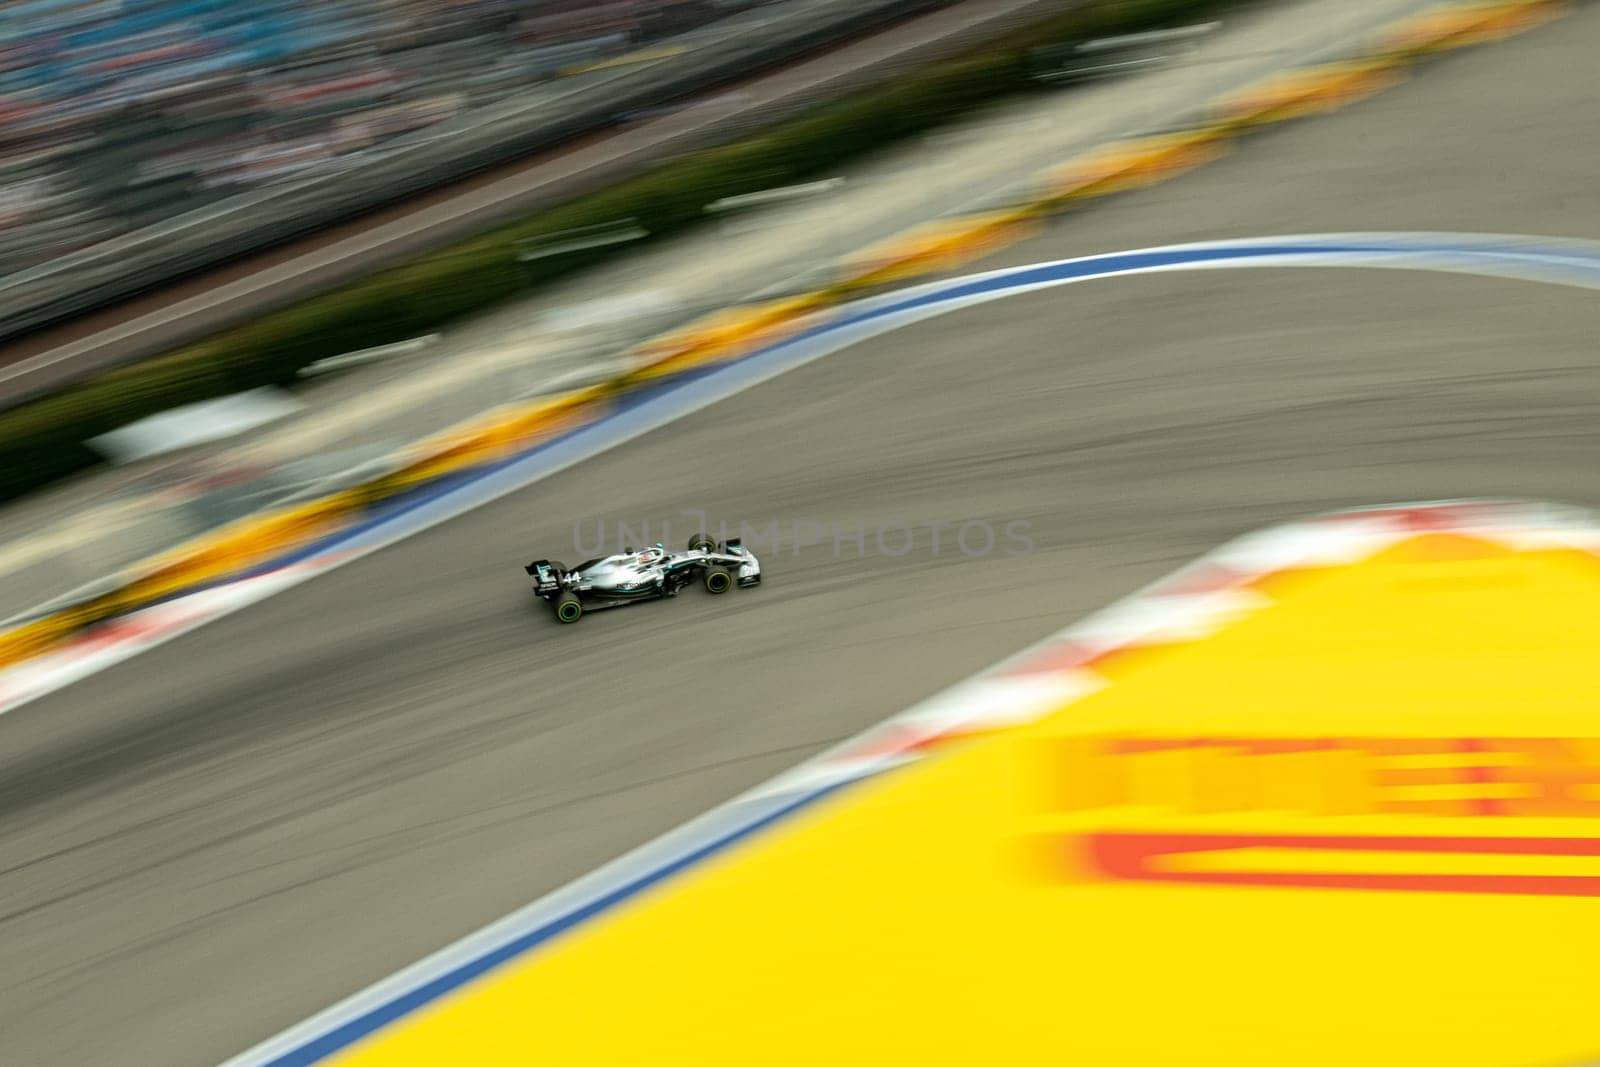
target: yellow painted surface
<point>1131,164</point>
<point>1311,91</point>
<point>722,336</point>
<point>949,913</point>
<point>941,245</point>
<point>1458,25</point>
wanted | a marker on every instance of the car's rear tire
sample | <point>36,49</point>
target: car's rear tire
<point>718,580</point>
<point>569,609</point>
<point>702,543</point>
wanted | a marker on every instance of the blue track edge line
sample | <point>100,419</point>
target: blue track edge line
<point>1462,253</point>
<point>954,292</point>
<point>375,1019</point>
<point>410,500</point>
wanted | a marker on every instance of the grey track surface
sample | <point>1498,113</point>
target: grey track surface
<point>212,841</point>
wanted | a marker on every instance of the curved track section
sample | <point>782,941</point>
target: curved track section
<point>1557,262</point>
<point>208,843</point>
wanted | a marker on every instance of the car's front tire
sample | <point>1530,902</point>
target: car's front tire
<point>702,543</point>
<point>718,580</point>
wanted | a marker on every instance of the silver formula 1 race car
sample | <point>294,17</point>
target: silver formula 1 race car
<point>646,574</point>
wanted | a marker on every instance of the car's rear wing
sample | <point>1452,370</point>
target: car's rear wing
<point>546,575</point>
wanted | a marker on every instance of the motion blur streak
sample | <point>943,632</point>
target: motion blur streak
<point>1012,895</point>
<point>1573,263</point>
<point>210,843</point>
<point>1570,263</point>
<point>119,115</point>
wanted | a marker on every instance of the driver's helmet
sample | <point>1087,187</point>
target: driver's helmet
<point>654,554</point>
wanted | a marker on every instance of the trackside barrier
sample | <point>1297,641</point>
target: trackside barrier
<point>230,550</point>
<point>1128,165</point>
<point>485,439</point>
<point>722,335</point>
<point>30,639</point>
<point>1309,92</point>
<point>925,250</point>
<point>1460,25</point>
<point>935,247</point>
<point>257,539</point>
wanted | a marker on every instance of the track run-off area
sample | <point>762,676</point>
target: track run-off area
<point>214,840</point>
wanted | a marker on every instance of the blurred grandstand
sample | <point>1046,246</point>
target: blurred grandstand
<point>116,114</point>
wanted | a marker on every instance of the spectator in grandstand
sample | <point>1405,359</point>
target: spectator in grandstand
<point>116,114</point>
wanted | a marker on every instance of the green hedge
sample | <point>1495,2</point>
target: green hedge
<point>43,441</point>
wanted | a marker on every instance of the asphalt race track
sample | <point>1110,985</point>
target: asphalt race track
<point>211,842</point>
